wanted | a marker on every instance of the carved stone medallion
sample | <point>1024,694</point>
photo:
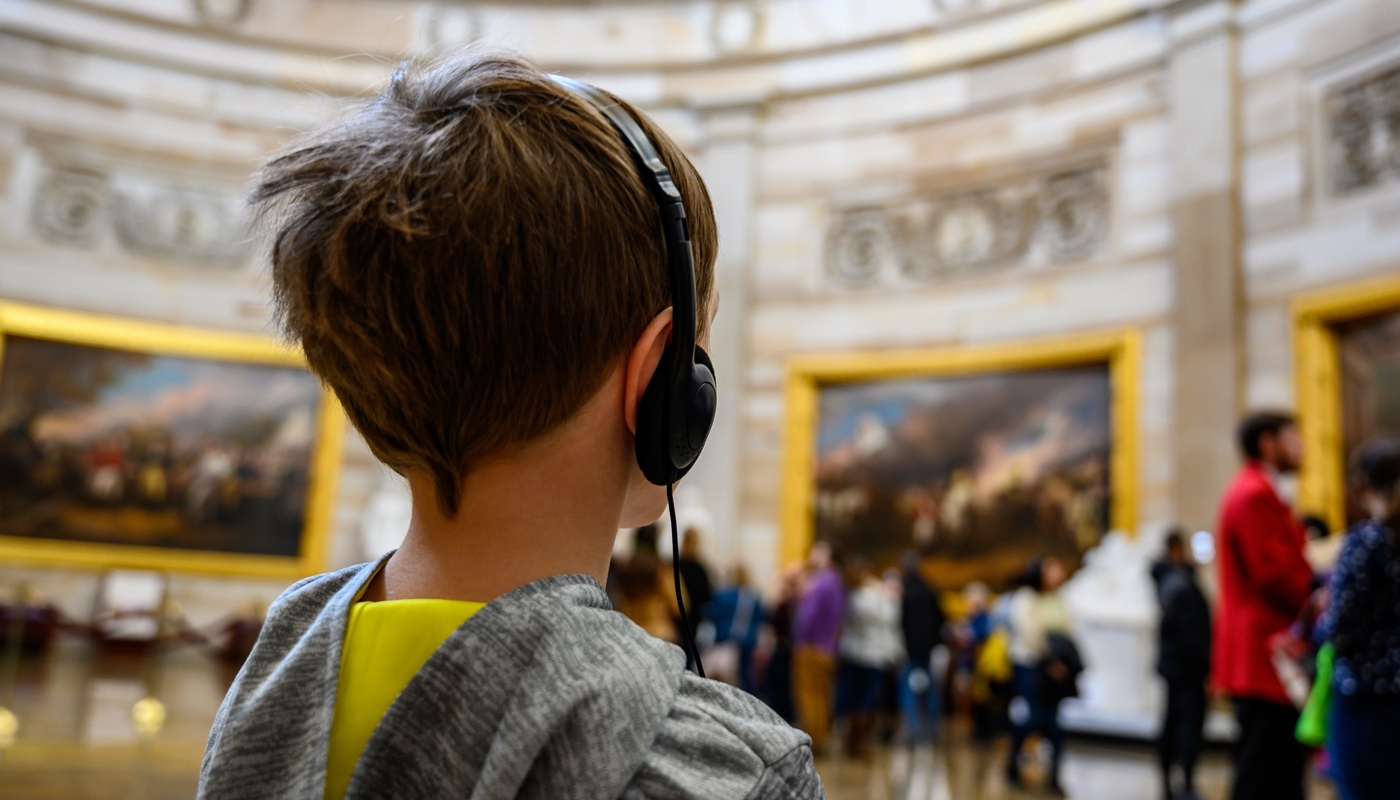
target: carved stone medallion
<point>222,12</point>
<point>863,245</point>
<point>968,233</point>
<point>963,234</point>
<point>70,208</point>
<point>735,27</point>
<point>1073,215</point>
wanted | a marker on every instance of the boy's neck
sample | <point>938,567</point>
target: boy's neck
<point>523,517</point>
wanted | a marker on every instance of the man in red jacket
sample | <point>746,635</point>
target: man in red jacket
<point>1264,584</point>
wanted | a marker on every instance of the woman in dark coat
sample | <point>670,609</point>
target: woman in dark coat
<point>1183,658</point>
<point>1363,624</point>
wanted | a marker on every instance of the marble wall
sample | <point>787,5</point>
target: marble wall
<point>902,174</point>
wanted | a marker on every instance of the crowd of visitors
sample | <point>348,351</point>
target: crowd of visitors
<point>841,646</point>
<point>1306,637</point>
<point>1304,640</point>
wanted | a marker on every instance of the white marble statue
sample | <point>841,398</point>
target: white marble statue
<point>1115,612</point>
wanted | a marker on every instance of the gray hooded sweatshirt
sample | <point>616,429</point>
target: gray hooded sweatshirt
<point>544,693</point>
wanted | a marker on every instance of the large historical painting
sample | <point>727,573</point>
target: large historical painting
<point>1370,377</point>
<point>978,458</point>
<point>979,473</point>
<point>112,451</point>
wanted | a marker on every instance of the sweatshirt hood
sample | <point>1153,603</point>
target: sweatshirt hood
<point>544,681</point>
<point>547,695</point>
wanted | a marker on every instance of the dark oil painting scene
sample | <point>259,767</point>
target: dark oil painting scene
<point>979,473</point>
<point>119,447</point>
<point>1370,366</point>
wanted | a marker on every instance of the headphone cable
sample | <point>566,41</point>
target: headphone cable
<point>676,572</point>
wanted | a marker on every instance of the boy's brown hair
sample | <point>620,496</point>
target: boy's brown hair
<point>465,259</point>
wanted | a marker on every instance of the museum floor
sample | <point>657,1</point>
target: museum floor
<point>962,770</point>
<point>78,742</point>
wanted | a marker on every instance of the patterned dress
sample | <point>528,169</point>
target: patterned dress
<point>1363,622</point>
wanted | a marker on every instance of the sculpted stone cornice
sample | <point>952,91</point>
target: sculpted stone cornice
<point>674,53</point>
<point>610,33</point>
<point>190,46</point>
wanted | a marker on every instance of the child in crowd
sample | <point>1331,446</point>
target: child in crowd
<point>475,263</point>
<point>1039,619</point>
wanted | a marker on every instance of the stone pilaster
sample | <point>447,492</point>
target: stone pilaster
<point>1207,312</point>
<point>729,166</point>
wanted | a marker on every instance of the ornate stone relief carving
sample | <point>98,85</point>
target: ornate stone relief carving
<point>1053,217</point>
<point>152,219</point>
<point>1364,122</point>
<point>178,224</point>
<point>962,234</point>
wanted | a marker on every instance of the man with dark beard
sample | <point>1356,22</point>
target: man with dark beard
<point>1264,583</point>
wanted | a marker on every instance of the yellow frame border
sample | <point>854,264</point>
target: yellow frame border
<point>1317,372</point>
<point>808,374</point>
<point>178,340</point>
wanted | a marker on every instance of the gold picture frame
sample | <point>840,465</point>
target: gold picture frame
<point>1318,379</point>
<point>207,350</point>
<point>807,375</point>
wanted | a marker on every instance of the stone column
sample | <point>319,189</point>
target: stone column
<point>1203,96</point>
<point>728,165</point>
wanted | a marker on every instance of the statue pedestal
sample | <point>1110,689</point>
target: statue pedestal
<point>1120,692</point>
<point>1115,616</point>
<point>1114,605</point>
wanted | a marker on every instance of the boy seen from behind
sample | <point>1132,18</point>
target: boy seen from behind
<point>475,266</point>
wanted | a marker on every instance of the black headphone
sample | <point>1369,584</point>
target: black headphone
<point>678,408</point>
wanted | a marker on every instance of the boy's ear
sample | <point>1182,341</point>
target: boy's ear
<point>642,363</point>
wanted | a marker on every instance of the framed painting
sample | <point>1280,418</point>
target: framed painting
<point>135,444</point>
<point>979,458</point>
<point>1347,365</point>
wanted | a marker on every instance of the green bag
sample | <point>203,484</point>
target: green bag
<point>1312,724</point>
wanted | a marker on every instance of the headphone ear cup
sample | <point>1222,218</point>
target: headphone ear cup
<point>694,414</point>
<point>655,435</point>
<point>703,395</point>
<point>653,454</point>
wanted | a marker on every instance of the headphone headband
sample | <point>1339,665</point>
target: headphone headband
<point>677,411</point>
<point>650,161</point>
<point>680,259</point>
